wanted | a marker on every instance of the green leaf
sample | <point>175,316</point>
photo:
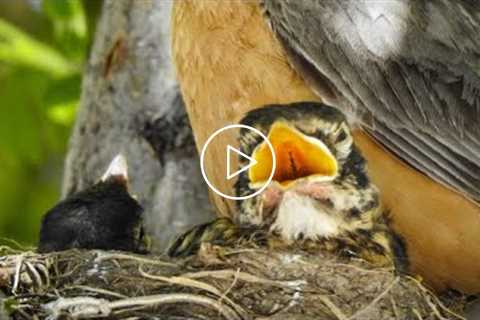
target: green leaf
<point>70,26</point>
<point>21,116</point>
<point>18,48</point>
<point>63,113</point>
<point>39,93</point>
<point>62,99</point>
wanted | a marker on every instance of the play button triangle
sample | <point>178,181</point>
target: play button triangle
<point>251,162</point>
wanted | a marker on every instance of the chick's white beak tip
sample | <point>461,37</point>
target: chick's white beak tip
<point>118,167</point>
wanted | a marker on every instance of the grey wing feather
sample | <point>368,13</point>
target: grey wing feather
<point>406,71</point>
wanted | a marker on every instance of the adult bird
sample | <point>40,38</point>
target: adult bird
<point>103,216</point>
<point>406,73</point>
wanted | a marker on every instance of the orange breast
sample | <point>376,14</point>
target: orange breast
<point>441,227</point>
<point>228,62</point>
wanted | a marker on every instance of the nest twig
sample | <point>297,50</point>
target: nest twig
<point>218,283</point>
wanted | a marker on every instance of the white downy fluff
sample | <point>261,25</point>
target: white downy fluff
<point>298,214</point>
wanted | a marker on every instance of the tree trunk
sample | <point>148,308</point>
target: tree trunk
<point>131,104</point>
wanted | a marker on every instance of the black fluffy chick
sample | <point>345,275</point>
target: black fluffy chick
<point>103,216</point>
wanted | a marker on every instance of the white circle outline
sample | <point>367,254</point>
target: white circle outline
<point>202,156</point>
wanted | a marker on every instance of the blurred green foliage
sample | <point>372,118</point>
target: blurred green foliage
<point>42,53</point>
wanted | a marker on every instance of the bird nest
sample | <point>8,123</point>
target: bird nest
<point>217,283</point>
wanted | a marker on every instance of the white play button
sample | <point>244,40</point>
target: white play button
<point>251,162</point>
<point>219,177</point>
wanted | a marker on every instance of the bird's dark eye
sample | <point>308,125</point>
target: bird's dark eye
<point>341,136</point>
<point>354,212</point>
<point>342,141</point>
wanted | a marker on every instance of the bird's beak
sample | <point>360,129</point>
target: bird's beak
<point>117,170</point>
<point>298,156</point>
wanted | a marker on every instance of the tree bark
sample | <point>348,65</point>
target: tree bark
<point>131,104</point>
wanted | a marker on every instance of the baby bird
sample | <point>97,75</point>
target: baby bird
<point>103,216</point>
<point>320,192</point>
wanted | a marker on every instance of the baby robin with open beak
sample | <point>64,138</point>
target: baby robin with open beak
<point>320,191</point>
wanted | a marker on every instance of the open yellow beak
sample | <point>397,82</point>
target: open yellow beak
<point>297,156</point>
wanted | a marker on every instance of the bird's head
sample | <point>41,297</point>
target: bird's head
<point>317,167</point>
<point>113,185</point>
